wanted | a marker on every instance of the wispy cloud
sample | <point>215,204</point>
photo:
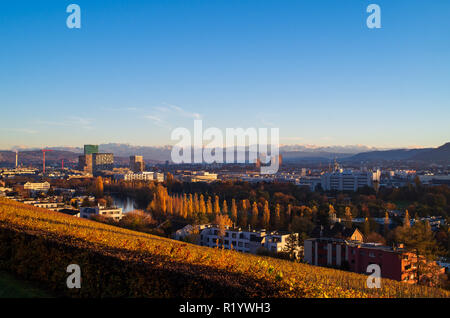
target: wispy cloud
<point>20,130</point>
<point>119,109</point>
<point>161,115</point>
<point>71,121</point>
<point>179,111</point>
<point>158,121</point>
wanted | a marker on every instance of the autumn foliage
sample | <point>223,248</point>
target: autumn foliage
<point>38,244</point>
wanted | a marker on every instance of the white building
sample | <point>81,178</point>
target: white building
<point>188,230</point>
<point>47,205</point>
<point>199,176</point>
<point>348,180</point>
<point>43,186</point>
<point>113,213</point>
<point>244,241</point>
<point>141,176</point>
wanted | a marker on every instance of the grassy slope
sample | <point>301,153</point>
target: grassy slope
<point>11,287</point>
<point>259,276</point>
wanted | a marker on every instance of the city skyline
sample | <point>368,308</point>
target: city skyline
<point>136,71</point>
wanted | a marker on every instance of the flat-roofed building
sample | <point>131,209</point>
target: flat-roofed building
<point>85,163</point>
<point>112,213</point>
<point>137,163</point>
<point>245,241</point>
<point>39,186</point>
<point>102,161</point>
<point>348,180</point>
<point>90,149</point>
<point>395,262</point>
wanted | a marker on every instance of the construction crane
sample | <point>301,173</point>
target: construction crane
<point>43,159</point>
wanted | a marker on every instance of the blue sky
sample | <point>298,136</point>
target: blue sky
<point>138,69</point>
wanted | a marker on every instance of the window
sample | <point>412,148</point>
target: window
<point>233,235</point>
<point>371,254</point>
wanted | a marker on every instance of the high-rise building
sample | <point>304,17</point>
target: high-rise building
<point>92,161</point>
<point>85,163</point>
<point>102,161</point>
<point>90,149</point>
<point>137,163</point>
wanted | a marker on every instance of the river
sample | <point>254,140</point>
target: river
<point>126,203</point>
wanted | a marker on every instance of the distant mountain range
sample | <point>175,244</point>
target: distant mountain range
<point>291,154</point>
<point>438,155</point>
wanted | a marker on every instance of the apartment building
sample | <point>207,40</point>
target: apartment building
<point>93,161</point>
<point>395,262</point>
<point>244,241</point>
<point>113,213</point>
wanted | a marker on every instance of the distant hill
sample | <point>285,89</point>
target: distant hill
<point>34,158</point>
<point>290,153</point>
<point>302,156</point>
<point>429,155</point>
<point>441,153</point>
<point>397,154</point>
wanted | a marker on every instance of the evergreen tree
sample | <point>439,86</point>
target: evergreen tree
<point>291,247</point>
<point>419,239</point>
